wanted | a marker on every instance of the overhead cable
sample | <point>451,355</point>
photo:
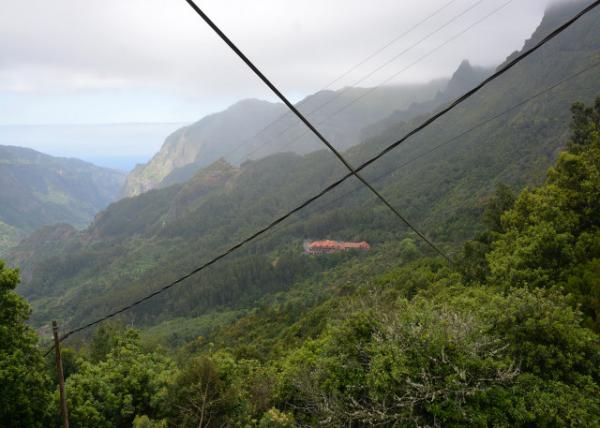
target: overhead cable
<point>310,126</point>
<point>481,124</point>
<point>347,72</point>
<point>369,91</point>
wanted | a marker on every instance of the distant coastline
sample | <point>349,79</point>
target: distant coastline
<point>95,143</point>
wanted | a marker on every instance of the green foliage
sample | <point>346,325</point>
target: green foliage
<point>464,357</point>
<point>9,237</point>
<point>70,360</point>
<point>145,422</point>
<point>503,200</point>
<point>273,338</point>
<point>273,418</point>
<point>128,382</point>
<point>202,395</point>
<point>24,384</point>
<point>414,347</point>
<point>178,331</point>
<point>104,339</point>
<point>390,338</point>
<point>552,235</point>
<point>472,261</point>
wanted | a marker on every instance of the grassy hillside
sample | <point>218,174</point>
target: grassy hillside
<point>37,190</point>
<point>515,148</point>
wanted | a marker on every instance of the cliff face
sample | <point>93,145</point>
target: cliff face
<point>202,143</point>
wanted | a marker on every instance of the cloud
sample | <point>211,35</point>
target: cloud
<point>73,46</point>
<point>73,62</point>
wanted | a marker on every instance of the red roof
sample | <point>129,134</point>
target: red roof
<point>328,244</point>
<point>325,244</point>
<point>356,245</point>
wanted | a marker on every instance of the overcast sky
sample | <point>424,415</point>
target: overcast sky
<point>120,61</point>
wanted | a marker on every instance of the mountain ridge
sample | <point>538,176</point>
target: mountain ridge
<point>190,148</point>
<point>464,78</point>
<point>38,189</point>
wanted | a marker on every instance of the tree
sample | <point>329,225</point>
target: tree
<point>204,393</point>
<point>24,384</point>
<point>461,357</point>
<point>551,237</point>
<point>128,382</point>
<point>145,422</point>
<point>104,340</point>
<point>472,262</point>
<point>503,200</point>
<point>273,418</point>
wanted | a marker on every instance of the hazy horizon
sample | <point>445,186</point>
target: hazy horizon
<point>117,145</point>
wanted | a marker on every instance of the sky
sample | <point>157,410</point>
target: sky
<point>153,64</point>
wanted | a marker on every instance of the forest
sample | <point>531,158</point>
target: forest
<point>507,334</point>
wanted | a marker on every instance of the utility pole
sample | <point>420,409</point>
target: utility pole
<point>61,378</point>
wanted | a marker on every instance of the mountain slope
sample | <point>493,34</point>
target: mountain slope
<point>514,148</point>
<point>193,147</point>
<point>149,242</point>
<point>463,79</point>
<point>37,189</point>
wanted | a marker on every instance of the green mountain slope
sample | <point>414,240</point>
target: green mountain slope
<point>515,148</point>
<point>142,243</point>
<point>193,147</point>
<point>37,189</point>
<point>463,79</point>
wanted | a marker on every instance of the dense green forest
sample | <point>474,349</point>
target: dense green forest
<point>507,335</point>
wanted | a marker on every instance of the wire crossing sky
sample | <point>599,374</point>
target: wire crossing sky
<point>381,85</point>
<point>139,60</point>
<point>310,126</point>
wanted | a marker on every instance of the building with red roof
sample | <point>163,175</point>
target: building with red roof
<point>330,247</point>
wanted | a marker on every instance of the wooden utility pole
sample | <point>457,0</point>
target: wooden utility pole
<point>61,377</point>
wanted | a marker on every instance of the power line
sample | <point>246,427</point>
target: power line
<point>347,72</point>
<point>501,71</point>
<point>371,73</point>
<point>451,140</point>
<point>308,124</point>
<point>393,76</point>
<point>394,58</point>
<point>391,42</point>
